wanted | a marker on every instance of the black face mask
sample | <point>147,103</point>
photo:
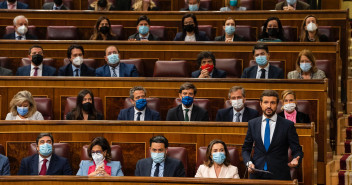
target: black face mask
<point>37,59</point>
<point>11,1</point>
<point>189,28</point>
<point>273,32</point>
<point>87,107</point>
<point>104,30</point>
<point>58,2</point>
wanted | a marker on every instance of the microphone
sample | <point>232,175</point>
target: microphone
<point>247,165</point>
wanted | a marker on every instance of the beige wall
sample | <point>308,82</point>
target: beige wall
<point>345,5</point>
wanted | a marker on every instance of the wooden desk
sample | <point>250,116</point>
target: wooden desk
<point>134,137</point>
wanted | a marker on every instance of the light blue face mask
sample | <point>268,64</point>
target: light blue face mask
<point>143,30</point>
<point>45,149</point>
<point>113,59</point>
<point>230,30</point>
<point>219,157</point>
<point>305,66</point>
<point>193,7</point>
<point>233,2</point>
<point>158,157</point>
<point>261,60</point>
<point>291,2</point>
<point>22,110</point>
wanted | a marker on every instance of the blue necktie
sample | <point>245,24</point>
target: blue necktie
<point>267,139</point>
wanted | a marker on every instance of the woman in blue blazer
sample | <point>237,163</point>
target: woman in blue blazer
<point>100,164</point>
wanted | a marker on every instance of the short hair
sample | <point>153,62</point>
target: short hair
<point>310,56</point>
<point>21,97</point>
<point>159,139</point>
<point>198,1</point>
<point>112,46</point>
<point>41,135</point>
<point>205,54</point>
<point>104,144</point>
<point>208,159</point>
<point>34,46</point>
<point>260,46</point>
<point>187,86</point>
<point>137,88</point>
<point>229,18</point>
<point>287,92</point>
<point>74,46</point>
<point>269,93</point>
<point>236,88</point>
<point>18,17</point>
<point>143,18</point>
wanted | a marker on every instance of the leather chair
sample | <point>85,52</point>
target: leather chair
<point>67,3</point>
<point>118,31</point>
<point>44,106</point>
<point>290,33</point>
<point>302,106</point>
<point>328,31</point>
<point>62,33</point>
<point>283,0</point>
<point>158,31</point>
<point>71,103</point>
<point>31,30</point>
<point>279,64</point>
<point>171,69</point>
<point>326,66</point>
<point>206,4</point>
<point>249,4</point>
<point>2,149</point>
<point>234,156</point>
<point>207,29</point>
<point>232,66</point>
<point>116,153</point>
<point>203,103</point>
<point>152,103</point>
<point>87,61</point>
<point>5,62</point>
<point>246,32</point>
<point>46,61</point>
<point>253,104</point>
<point>137,62</point>
<point>60,149</point>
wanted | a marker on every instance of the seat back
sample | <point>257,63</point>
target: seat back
<point>329,32</point>
<point>90,62</point>
<point>249,4</point>
<point>207,29</point>
<point>5,62</point>
<point>62,33</point>
<point>253,104</point>
<point>44,106</point>
<point>67,3</point>
<point>136,62</point>
<point>71,103</point>
<point>326,66</point>
<point>234,156</point>
<point>232,66</point>
<point>46,61</point>
<point>152,103</point>
<point>31,30</point>
<point>158,31</point>
<point>246,32</point>
<point>2,150</point>
<point>60,149</point>
<point>116,153</point>
<point>118,31</point>
<point>171,69</point>
<point>290,33</point>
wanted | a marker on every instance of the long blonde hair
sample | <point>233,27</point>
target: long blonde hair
<point>138,5</point>
<point>21,97</point>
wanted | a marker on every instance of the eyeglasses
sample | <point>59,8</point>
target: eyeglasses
<point>97,152</point>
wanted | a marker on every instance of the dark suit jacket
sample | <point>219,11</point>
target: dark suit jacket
<point>5,72</point>
<point>274,72</point>
<point>227,114</point>
<point>299,6</point>
<point>172,168</point>
<point>57,166</point>
<point>67,70</point>
<point>26,71</point>
<point>13,36</point>
<point>217,73</point>
<point>20,5</point>
<point>199,9</point>
<point>151,37</point>
<point>235,38</point>
<point>284,137</point>
<point>128,114</point>
<point>69,116</point>
<point>300,117</point>
<point>4,165</point>
<point>201,36</point>
<point>198,114</point>
<point>126,70</point>
<point>50,6</point>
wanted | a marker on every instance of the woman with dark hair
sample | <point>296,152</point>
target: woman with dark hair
<point>217,162</point>
<point>102,30</point>
<point>85,109</point>
<point>190,30</point>
<point>99,152</point>
<point>272,31</point>
<point>288,98</point>
<point>309,30</point>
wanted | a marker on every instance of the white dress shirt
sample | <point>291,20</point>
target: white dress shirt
<point>117,70</point>
<point>259,72</point>
<point>161,169</point>
<point>234,115</point>
<point>39,70</point>
<point>272,123</point>
<point>14,5</point>
<point>189,112</point>
<point>190,38</point>
<point>225,172</point>
<point>16,36</point>
<point>136,115</point>
<point>41,160</point>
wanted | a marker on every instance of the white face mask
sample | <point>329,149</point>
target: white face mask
<point>237,104</point>
<point>311,27</point>
<point>22,30</point>
<point>98,159</point>
<point>290,107</point>
<point>77,61</point>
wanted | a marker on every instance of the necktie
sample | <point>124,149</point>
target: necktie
<point>238,117</point>
<point>139,116</point>
<point>43,169</point>
<point>36,71</point>
<point>267,139</point>
<point>156,172</point>
<point>76,72</point>
<point>186,115</point>
<point>19,37</point>
<point>113,72</point>
<point>262,76</point>
<point>11,6</point>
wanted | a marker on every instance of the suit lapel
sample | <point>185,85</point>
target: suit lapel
<point>258,134</point>
<point>84,69</point>
<point>276,133</point>
<point>52,165</point>
<point>107,71</point>
<point>69,70</point>
<point>180,113</point>
<point>44,71</point>
<point>194,113</point>
<point>131,113</point>
<point>147,115</point>
<point>166,168</point>
<point>254,74</point>
<point>271,72</point>
<point>34,166</point>
<point>27,72</point>
<point>229,116</point>
<point>245,115</point>
<point>149,167</point>
<point>121,71</point>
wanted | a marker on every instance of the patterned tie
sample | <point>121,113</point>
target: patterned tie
<point>114,72</point>
<point>35,71</point>
<point>76,72</point>
<point>262,76</point>
<point>19,37</point>
<point>238,114</point>
<point>267,139</point>
<point>139,116</point>
<point>186,115</point>
<point>156,172</point>
<point>43,170</point>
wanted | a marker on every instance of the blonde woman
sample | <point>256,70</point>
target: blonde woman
<point>23,107</point>
<point>144,5</point>
<point>289,107</point>
<point>232,5</point>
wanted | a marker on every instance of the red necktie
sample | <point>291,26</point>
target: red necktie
<point>43,170</point>
<point>36,71</point>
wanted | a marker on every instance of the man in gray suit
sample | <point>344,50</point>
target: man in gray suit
<point>56,5</point>
<point>5,72</point>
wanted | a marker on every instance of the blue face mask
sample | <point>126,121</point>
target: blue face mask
<point>230,30</point>
<point>141,104</point>
<point>22,110</point>
<point>143,30</point>
<point>219,157</point>
<point>261,60</point>
<point>45,149</point>
<point>233,2</point>
<point>193,7</point>
<point>187,101</point>
<point>113,59</point>
<point>158,157</point>
<point>291,2</point>
<point>305,66</point>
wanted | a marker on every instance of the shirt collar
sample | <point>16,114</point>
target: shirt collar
<point>16,35</point>
<point>57,6</point>
<point>161,164</point>
<point>266,68</point>
<point>13,4</point>
<point>41,158</point>
<point>190,108</point>
<point>140,36</point>
<point>39,67</point>
<point>241,111</point>
<point>136,110</point>
<point>273,118</point>
<point>74,67</point>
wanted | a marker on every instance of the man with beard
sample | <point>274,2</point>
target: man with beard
<point>56,5</point>
<point>272,135</point>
